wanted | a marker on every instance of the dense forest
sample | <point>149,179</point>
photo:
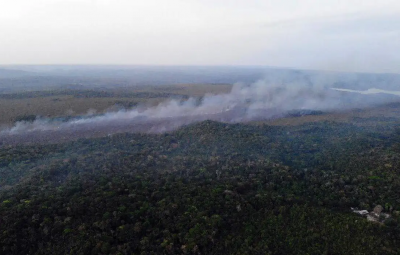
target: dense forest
<point>207,188</point>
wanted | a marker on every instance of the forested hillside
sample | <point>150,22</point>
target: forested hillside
<point>208,188</point>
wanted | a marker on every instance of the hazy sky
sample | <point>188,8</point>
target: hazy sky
<point>350,35</point>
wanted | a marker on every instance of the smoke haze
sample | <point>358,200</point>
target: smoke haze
<point>268,98</point>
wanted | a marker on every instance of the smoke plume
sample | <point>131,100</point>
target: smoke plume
<point>261,100</point>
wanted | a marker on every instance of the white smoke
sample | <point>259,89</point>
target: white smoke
<point>260,100</point>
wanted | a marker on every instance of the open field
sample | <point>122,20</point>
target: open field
<point>57,103</point>
<point>371,116</point>
<point>72,114</point>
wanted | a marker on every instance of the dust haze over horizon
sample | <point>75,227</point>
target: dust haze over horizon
<point>351,36</point>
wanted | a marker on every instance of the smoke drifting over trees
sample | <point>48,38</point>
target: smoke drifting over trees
<point>272,97</point>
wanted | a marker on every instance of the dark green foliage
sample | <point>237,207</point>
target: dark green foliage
<point>209,188</point>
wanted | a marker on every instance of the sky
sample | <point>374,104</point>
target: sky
<point>350,35</point>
